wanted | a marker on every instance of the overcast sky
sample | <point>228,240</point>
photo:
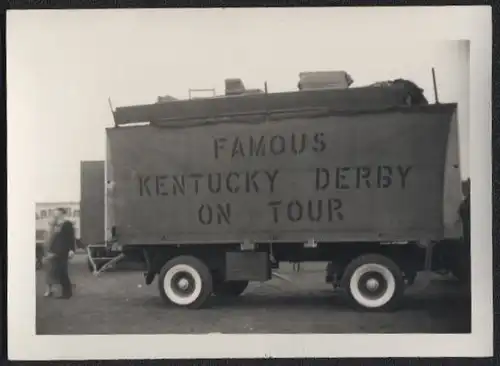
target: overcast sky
<point>63,66</point>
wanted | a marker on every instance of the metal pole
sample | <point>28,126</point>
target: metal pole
<point>266,101</point>
<point>112,112</point>
<point>436,97</point>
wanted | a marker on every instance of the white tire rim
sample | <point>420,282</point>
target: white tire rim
<point>372,275</point>
<point>174,284</point>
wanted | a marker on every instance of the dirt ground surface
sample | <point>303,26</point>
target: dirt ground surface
<point>119,302</point>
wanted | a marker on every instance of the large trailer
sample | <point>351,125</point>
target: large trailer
<point>214,193</point>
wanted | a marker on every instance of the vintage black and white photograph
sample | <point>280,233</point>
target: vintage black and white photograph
<point>229,173</point>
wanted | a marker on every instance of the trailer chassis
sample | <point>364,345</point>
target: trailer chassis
<point>226,269</point>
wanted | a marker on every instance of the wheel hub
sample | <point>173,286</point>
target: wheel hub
<point>372,284</point>
<point>183,284</point>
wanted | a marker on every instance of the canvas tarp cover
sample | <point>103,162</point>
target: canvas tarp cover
<point>357,177</point>
<point>340,100</point>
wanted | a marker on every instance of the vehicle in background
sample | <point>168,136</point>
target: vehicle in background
<point>92,215</point>
<point>213,193</point>
<point>40,247</point>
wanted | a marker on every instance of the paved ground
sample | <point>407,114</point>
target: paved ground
<point>120,303</point>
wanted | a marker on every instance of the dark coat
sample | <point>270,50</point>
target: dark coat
<point>465,215</point>
<point>64,240</point>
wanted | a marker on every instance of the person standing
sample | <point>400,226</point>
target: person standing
<point>464,211</point>
<point>62,247</point>
<point>463,264</point>
<point>50,278</point>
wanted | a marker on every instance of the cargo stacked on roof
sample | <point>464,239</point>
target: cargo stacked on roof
<point>324,80</point>
<point>334,95</point>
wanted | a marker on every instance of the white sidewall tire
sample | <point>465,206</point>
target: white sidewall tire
<point>363,300</point>
<point>202,281</point>
<point>387,268</point>
<point>169,291</point>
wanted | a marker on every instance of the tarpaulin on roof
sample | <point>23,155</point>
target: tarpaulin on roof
<point>364,99</point>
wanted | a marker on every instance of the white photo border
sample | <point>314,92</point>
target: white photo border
<point>398,24</point>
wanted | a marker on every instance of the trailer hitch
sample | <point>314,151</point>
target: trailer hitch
<point>96,272</point>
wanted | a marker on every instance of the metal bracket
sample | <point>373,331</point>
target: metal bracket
<point>247,245</point>
<point>272,258</point>
<point>423,243</point>
<point>146,258</point>
<point>311,243</point>
<point>400,242</point>
<point>428,256</point>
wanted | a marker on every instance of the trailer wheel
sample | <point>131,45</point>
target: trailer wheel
<point>230,288</point>
<point>373,282</point>
<point>185,281</point>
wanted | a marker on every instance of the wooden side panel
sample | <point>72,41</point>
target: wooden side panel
<point>358,177</point>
